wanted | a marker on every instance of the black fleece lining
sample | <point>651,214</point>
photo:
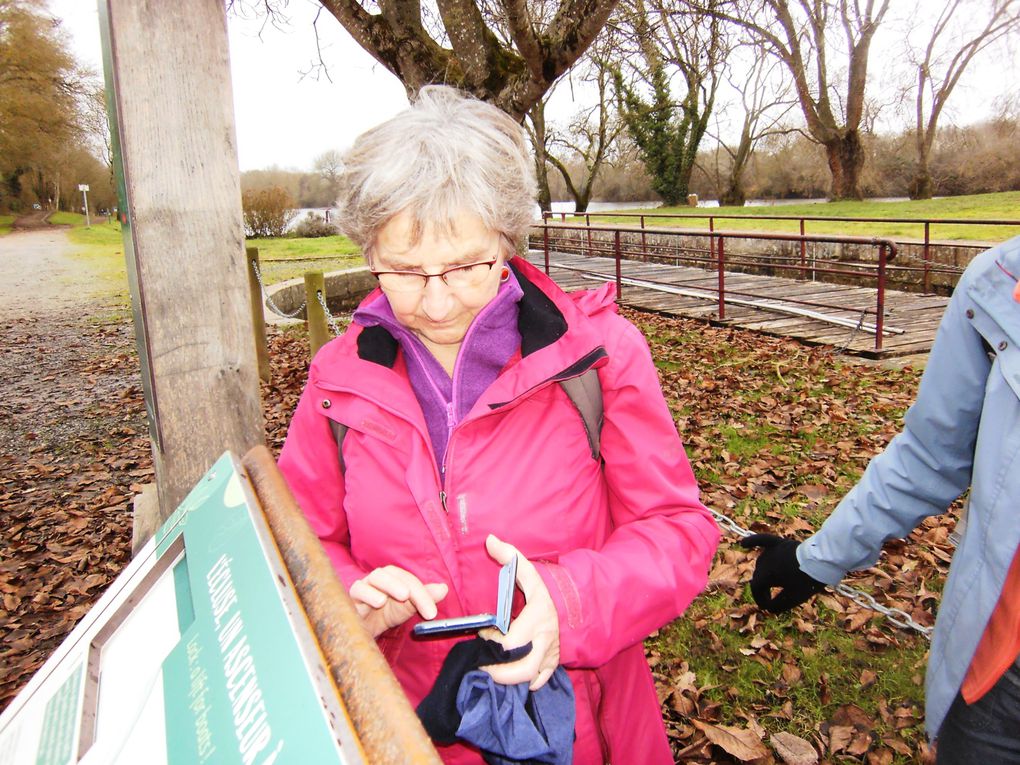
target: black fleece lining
<point>539,321</point>
<point>376,344</point>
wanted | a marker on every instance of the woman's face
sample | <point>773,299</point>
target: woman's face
<point>438,313</point>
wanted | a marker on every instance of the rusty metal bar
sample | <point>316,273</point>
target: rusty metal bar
<point>803,246</point>
<point>927,256</point>
<point>722,280</point>
<point>837,218</point>
<point>388,728</point>
<point>880,300</point>
<point>619,272</point>
<point>545,237</point>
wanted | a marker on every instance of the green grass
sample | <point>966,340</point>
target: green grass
<point>723,658</point>
<point>999,206</point>
<point>289,258</point>
<point>6,221</point>
<point>67,219</point>
<point>101,249</point>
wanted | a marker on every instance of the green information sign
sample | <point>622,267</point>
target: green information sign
<point>198,653</point>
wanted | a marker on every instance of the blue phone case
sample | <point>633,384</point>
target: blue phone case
<point>500,620</point>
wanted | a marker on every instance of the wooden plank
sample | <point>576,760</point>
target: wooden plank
<point>168,73</point>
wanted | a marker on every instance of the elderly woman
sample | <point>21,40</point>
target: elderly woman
<point>460,448</point>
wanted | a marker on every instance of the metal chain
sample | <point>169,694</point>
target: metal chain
<point>860,323</point>
<point>329,317</point>
<point>269,300</point>
<point>897,616</point>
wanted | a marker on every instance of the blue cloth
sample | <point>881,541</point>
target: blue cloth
<point>963,430</point>
<point>510,724</point>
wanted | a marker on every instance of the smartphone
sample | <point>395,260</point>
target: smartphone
<point>500,620</point>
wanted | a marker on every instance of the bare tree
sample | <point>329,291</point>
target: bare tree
<point>584,145</point>
<point>535,125</point>
<point>961,31</point>
<point>328,166</point>
<point>765,102</point>
<point>670,42</point>
<point>507,52</point>
<point>802,34</point>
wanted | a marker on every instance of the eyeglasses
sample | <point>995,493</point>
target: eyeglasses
<point>458,277</point>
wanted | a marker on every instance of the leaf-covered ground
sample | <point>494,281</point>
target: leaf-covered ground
<point>776,432</point>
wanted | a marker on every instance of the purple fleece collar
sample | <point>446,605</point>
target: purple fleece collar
<point>490,341</point>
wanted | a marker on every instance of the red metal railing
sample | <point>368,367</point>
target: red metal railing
<point>927,268</point>
<point>613,245</point>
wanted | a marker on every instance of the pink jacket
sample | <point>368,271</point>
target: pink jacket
<point>623,546</point>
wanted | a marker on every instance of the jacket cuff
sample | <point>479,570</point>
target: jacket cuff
<point>567,600</point>
<point>821,570</point>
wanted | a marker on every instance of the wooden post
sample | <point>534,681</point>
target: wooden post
<point>315,316</point>
<point>175,160</point>
<point>258,316</point>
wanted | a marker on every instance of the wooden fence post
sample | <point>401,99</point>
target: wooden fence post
<point>315,316</point>
<point>175,161</point>
<point>258,315</point>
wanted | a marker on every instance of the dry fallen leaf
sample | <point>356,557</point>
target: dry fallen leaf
<point>741,743</point>
<point>793,749</point>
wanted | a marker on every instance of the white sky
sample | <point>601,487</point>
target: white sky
<point>287,119</point>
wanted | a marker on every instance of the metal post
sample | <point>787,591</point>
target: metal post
<point>711,237</point>
<point>85,196</point>
<point>545,246</point>
<point>927,256</point>
<point>722,280</point>
<point>619,275</point>
<point>644,243</point>
<point>880,302</point>
<point>586,223</point>
<point>803,249</point>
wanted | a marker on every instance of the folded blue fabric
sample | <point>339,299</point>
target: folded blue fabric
<point>512,725</point>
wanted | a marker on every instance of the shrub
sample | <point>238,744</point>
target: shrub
<point>267,212</point>
<point>313,226</point>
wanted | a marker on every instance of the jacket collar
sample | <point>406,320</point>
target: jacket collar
<point>539,320</point>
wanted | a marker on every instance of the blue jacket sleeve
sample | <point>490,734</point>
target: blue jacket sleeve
<point>924,468</point>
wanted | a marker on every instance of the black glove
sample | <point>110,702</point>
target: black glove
<point>778,567</point>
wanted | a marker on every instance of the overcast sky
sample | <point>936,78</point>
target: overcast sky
<point>287,119</point>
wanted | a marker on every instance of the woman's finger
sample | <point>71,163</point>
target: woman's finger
<point>390,579</point>
<point>543,678</point>
<point>362,592</point>
<point>524,670</point>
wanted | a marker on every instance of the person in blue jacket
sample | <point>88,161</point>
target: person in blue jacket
<point>963,431</point>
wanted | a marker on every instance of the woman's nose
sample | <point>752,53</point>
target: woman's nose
<point>436,299</point>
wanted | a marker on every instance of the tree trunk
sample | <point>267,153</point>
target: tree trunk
<point>921,186</point>
<point>537,115</point>
<point>734,195</point>
<point>845,155</point>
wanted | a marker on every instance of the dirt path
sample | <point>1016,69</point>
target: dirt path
<point>73,441</point>
<point>38,276</point>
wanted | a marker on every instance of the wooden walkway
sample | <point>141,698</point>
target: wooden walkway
<point>913,317</point>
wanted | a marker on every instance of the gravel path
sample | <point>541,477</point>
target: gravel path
<point>73,446</point>
<point>38,276</point>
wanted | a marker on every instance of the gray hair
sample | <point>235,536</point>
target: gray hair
<point>446,154</point>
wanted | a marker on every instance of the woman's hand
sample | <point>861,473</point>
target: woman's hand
<point>537,623</point>
<point>389,596</point>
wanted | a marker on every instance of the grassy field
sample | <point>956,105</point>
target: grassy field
<point>1001,206</point>
<point>68,219</point>
<point>5,223</point>
<point>101,248</point>
<point>777,433</point>
<point>288,258</point>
